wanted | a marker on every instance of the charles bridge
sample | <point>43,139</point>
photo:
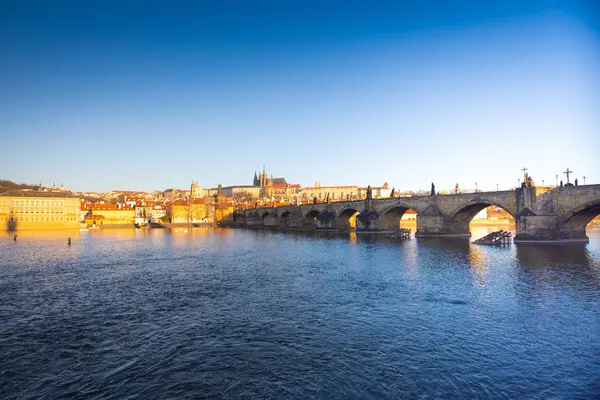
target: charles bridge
<point>540,213</point>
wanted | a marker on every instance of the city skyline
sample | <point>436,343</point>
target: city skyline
<point>120,97</point>
<point>475,186</point>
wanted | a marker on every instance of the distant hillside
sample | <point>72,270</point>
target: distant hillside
<point>6,185</point>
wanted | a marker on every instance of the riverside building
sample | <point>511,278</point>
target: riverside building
<point>38,210</point>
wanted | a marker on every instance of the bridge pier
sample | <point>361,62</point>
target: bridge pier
<point>271,221</point>
<point>547,228</point>
<point>252,220</point>
<point>326,220</point>
<point>437,225</point>
<point>368,221</point>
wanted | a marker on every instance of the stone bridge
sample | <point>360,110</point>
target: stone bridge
<point>540,213</point>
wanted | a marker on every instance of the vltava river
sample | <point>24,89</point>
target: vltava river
<point>257,314</point>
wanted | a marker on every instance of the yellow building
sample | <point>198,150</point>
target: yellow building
<point>223,212</point>
<point>110,215</point>
<point>38,210</point>
<point>179,212</point>
<point>198,211</point>
<point>191,211</point>
<point>335,193</point>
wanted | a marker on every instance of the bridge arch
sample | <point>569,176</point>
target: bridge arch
<point>284,218</point>
<point>461,218</point>
<point>391,217</point>
<point>577,219</point>
<point>269,218</point>
<point>310,218</point>
<point>346,218</point>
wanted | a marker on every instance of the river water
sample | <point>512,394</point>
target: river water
<point>257,314</point>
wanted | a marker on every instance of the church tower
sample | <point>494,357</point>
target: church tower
<point>263,178</point>
<point>195,190</point>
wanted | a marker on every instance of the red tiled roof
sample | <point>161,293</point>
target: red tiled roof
<point>110,207</point>
<point>331,187</point>
<point>101,207</point>
<point>94,217</point>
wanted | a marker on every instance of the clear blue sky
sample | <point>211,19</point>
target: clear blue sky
<point>149,95</point>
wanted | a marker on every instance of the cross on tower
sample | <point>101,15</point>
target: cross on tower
<point>567,173</point>
<point>524,174</point>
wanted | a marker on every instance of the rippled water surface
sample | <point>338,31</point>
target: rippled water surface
<point>258,314</point>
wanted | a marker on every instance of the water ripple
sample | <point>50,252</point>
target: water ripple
<point>239,314</point>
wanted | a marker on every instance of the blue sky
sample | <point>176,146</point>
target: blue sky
<point>150,95</point>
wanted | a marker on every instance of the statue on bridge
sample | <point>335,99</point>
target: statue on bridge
<point>528,181</point>
<point>456,189</point>
<point>432,189</point>
<point>369,194</point>
<point>315,200</point>
<point>393,192</point>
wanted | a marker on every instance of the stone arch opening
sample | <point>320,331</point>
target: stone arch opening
<point>264,215</point>
<point>284,219</point>
<point>398,217</point>
<point>269,219</point>
<point>486,215</point>
<point>580,219</point>
<point>346,219</point>
<point>310,219</point>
